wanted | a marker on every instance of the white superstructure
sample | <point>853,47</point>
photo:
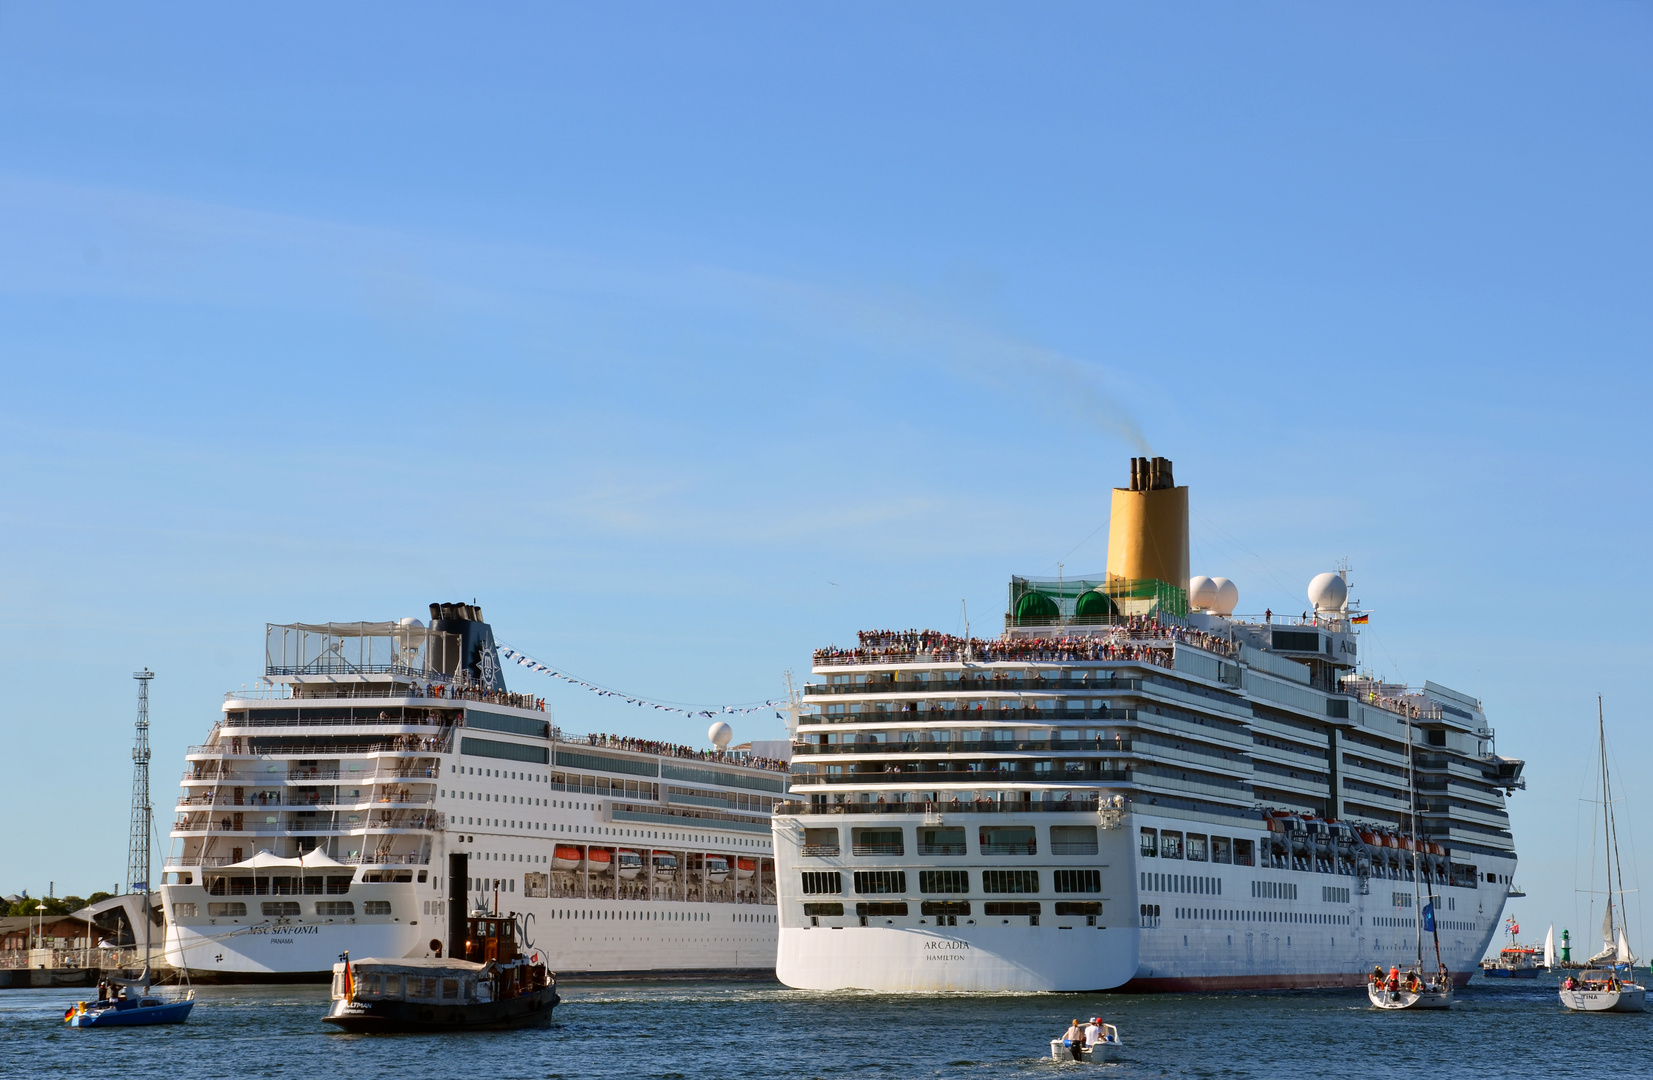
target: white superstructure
<point>383,782</point>
<point>1123,792</point>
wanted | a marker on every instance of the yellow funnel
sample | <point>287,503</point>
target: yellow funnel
<point>1148,534</point>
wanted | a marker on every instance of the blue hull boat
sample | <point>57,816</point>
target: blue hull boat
<point>137,1013</point>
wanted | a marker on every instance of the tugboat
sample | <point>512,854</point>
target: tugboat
<point>1515,961</point>
<point>494,987</point>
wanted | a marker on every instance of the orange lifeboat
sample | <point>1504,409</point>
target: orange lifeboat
<point>565,857</point>
<point>745,867</point>
<point>597,860</point>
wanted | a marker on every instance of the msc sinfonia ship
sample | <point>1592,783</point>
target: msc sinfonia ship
<point>382,783</point>
<point>1133,787</point>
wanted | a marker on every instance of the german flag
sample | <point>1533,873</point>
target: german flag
<point>1361,619</point>
<point>349,979</point>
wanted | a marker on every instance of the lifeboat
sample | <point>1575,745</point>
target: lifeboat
<point>717,869</point>
<point>665,864</point>
<point>744,867</point>
<point>564,857</point>
<point>631,864</point>
<point>1370,839</point>
<point>597,860</point>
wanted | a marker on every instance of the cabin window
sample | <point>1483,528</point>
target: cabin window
<point>1195,848</point>
<point>1010,881</point>
<point>1170,845</point>
<point>1150,843</point>
<point>227,911</point>
<point>1078,881</point>
<point>1008,840</point>
<point>941,841</point>
<point>450,989</point>
<point>1242,852</point>
<point>874,882</point>
<point>821,842</point>
<point>944,881</point>
<point>878,841</point>
<point>817,882</point>
<point>1221,851</point>
<point>376,907</point>
<point>183,911</point>
<point>1073,839</point>
<point>285,909</point>
<point>817,910</point>
<point>335,908</point>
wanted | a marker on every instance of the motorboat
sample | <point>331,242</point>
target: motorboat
<point>494,986</point>
<point>1105,1048</point>
<point>1409,990</point>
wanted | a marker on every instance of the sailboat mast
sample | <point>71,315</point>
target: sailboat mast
<point>1412,793</point>
<point>1606,820</point>
<point>1613,832</point>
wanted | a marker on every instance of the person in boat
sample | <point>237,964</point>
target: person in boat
<point>1377,975</point>
<point>1074,1039</point>
<point>1093,1032</point>
<point>1393,982</point>
<point>1568,985</point>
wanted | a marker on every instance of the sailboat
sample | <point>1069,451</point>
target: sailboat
<point>1414,989</point>
<point>1549,949</point>
<point>118,1006</point>
<point>1608,982</point>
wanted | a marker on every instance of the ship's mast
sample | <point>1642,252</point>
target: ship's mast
<point>1412,794</point>
<point>137,850</point>
<point>1606,821</point>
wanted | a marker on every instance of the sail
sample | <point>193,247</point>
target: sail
<point>1625,956</point>
<point>1549,947</point>
<point>1607,926</point>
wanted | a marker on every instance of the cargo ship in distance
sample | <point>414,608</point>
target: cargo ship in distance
<point>1133,787</point>
<point>382,784</point>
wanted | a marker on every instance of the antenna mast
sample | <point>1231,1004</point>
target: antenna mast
<point>137,852</point>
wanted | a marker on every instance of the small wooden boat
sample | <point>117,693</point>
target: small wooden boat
<point>494,987</point>
<point>1105,1048</point>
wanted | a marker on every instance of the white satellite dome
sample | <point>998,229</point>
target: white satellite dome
<point>1328,592</point>
<point>411,623</point>
<point>1227,598</point>
<point>720,734</point>
<point>1202,592</point>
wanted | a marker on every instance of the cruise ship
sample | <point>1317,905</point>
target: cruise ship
<point>1134,787</point>
<point>381,783</point>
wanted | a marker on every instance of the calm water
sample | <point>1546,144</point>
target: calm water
<point>762,1030</point>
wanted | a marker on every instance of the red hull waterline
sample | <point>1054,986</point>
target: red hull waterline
<point>1209,983</point>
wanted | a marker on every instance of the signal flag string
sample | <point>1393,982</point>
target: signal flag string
<point>508,653</point>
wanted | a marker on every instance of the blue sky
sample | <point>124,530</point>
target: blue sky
<point>686,339</point>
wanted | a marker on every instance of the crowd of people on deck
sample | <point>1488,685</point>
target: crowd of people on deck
<point>666,749</point>
<point>1138,637</point>
<point>492,697</point>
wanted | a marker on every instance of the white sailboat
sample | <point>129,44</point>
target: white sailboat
<point>1608,983</point>
<point>1549,949</point>
<point>1414,989</point>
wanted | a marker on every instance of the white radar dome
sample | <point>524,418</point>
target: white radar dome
<point>1202,592</point>
<point>720,734</point>
<point>411,624</point>
<point>1228,596</point>
<point>1327,592</point>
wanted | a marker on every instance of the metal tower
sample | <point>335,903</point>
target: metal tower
<point>137,852</point>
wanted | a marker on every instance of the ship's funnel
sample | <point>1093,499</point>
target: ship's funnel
<point>1148,535</point>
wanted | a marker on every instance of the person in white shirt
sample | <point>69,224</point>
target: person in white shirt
<point>1093,1032</point>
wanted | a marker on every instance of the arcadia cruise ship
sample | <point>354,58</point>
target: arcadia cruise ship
<point>382,783</point>
<point>1134,787</point>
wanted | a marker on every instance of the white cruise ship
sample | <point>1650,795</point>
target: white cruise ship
<point>1134,787</point>
<point>383,782</point>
